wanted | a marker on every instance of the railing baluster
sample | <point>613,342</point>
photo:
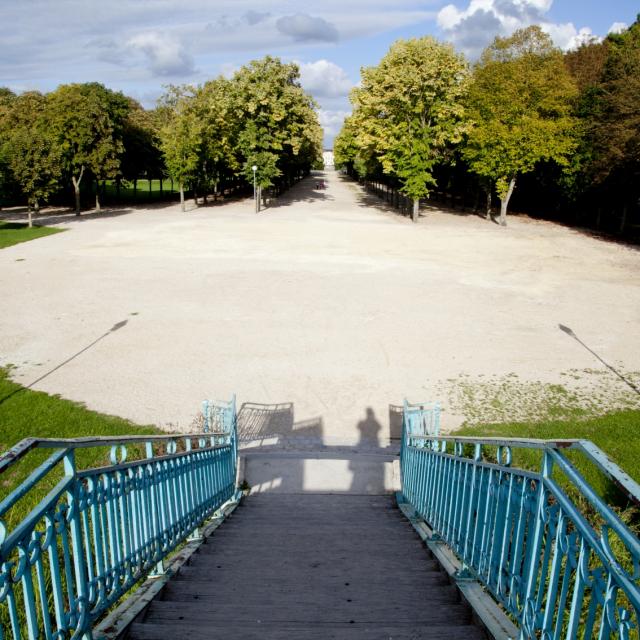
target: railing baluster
<point>29,595</point>
<point>520,535</point>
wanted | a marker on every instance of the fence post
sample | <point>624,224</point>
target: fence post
<point>530,614</point>
<point>154,515</point>
<point>81,604</point>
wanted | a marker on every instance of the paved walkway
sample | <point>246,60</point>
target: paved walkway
<point>323,311</point>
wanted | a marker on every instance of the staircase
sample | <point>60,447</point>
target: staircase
<point>476,547</point>
<point>310,566</point>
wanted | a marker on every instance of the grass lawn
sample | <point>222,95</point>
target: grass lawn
<point>25,413</point>
<point>14,232</point>
<point>616,433</point>
<point>144,188</point>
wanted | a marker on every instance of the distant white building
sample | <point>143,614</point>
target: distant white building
<point>327,156</point>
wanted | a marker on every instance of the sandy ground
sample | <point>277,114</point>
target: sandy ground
<point>327,304</point>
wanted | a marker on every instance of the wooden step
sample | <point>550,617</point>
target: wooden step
<point>324,609</point>
<point>355,631</point>
<point>310,567</point>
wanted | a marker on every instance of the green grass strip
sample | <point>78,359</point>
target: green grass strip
<point>34,414</point>
<point>14,232</point>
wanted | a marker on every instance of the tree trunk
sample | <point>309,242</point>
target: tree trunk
<point>30,219</point>
<point>195,195</point>
<point>76,189</point>
<point>416,209</point>
<point>623,222</point>
<point>504,203</point>
<point>182,207</point>
<point>135,188</point>
<point>488,211</point>
<point>98,196</point>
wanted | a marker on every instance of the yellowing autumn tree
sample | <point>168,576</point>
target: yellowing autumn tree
<point>520,102</point>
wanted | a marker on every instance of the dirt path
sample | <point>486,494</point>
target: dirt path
<point>325,301</point>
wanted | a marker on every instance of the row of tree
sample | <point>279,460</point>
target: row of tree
<point>260,118</point>
<point>202,136</point>
<point>569,123</point>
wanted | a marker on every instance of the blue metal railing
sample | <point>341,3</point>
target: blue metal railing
<point>98,531</point>
<point>523,537</point>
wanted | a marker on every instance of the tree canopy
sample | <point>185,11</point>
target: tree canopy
<point>200,136</point>
<point>564,126</point>
<point>260,117</point>
<point>408,111</point>
<point>520,104</point>
<point>34,157</point>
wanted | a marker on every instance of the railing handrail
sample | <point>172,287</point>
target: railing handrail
<point>596,455</point>
<point>22,448</point>
<point>98,530</point>
<point>562,565</point>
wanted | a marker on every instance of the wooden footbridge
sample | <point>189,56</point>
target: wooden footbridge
<point>161,544</point>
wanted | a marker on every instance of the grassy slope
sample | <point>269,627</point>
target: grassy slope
<point>617,434</point>
<point>25,413</point>
<point>13,233</point>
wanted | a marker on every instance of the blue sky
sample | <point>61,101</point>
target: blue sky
<point>139,46</point>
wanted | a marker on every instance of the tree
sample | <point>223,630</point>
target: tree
<point>409,110</point>
<point>140,138</point>
<point>277,126</point>
<point>215,109</point>
<point>87,120</point>
<point>520,102</point>
<point>34,157</point>
<point>181,136</point>
<point>615,123</point>
<point>6,99</point>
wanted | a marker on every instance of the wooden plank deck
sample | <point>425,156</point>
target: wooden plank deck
<point>310,567</point>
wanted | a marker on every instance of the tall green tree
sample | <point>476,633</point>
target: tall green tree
<point>6,98</point>
<point>606,167</point>
<point>88,120</point>
<point>215,109</point>
<point>181,136</point>
<point>277,126</point>
<point>520,102</point>
<point>34,157</point>
<point>615,124</point>
<point>409,111</point>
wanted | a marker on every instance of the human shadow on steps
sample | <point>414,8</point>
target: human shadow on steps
<point>282,455</point>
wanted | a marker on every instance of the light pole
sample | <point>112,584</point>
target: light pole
<point>255,193</point>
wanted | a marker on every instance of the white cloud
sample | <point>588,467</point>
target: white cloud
<point>584,36</point>
<point>474,27</point>
<point>618,27</point>
<point>165,55</point>
<point>304,28</point>
<point>331,121</point>
<point>324,79</point>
